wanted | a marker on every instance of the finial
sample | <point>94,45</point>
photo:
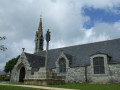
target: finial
<point>23,49</point>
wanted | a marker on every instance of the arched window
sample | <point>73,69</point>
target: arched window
<point>98,64</point>
<point>62,66</point>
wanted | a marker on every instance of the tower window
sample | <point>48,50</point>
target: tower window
<point>98,64</point>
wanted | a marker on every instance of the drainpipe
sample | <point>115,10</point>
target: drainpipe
<point>86,73</point>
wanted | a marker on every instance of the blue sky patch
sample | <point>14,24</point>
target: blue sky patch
<point>100,15</point>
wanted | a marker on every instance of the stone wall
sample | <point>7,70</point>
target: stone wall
<point>96,78</point>
<point>41,74</point>
<point>44,81</point>
<point>114,73</point>
<point>76,74</point>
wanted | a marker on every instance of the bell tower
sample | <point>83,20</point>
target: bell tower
<point>39,40</point>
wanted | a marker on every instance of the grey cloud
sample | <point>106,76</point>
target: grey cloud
<point>19,21</point>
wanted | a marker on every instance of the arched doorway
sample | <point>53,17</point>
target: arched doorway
<point>22,74</point>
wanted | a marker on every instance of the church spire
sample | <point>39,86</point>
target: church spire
<point>41,19</point>
<point>39,37</point>
<point>40,26</point>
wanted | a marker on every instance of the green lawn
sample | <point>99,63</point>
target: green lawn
<point>16,88</point>
<point>89,86</point>
<point>83,86</point>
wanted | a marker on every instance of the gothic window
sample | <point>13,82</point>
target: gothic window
<point>41,42</point>
<point>62,66</point>
<point>98,64</point>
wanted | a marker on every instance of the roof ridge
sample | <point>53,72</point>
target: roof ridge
<point>82,44</point>
<point>33,54</point>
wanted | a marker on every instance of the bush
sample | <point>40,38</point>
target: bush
<point>4,77</point>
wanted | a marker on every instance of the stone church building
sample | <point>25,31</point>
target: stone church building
<point>97,62</point>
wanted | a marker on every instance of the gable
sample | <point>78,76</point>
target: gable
<point>22,61</point>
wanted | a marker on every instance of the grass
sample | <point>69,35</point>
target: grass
<point>86,86</point>
<point>82,86</point>
<point>16,88</point>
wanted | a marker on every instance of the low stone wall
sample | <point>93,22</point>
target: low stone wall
<point>44,81</point>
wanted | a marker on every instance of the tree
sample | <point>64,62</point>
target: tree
<point>2,47</point>
<point>10,64</point>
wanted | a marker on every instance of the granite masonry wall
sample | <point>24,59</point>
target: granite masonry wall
<point>76,74</point>
<point>22,62</point>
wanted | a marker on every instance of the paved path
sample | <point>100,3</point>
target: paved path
<point>39,87</point>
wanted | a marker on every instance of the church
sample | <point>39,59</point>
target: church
<point>97,62</point>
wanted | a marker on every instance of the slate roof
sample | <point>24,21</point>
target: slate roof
<point>81,53</point>
<point>69,57</point>
<point>35,61</point>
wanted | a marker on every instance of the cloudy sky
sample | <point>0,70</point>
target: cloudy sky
<point>71,22</point>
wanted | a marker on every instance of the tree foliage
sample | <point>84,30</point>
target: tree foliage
<point>2,47</point>
<point>10,64</point>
